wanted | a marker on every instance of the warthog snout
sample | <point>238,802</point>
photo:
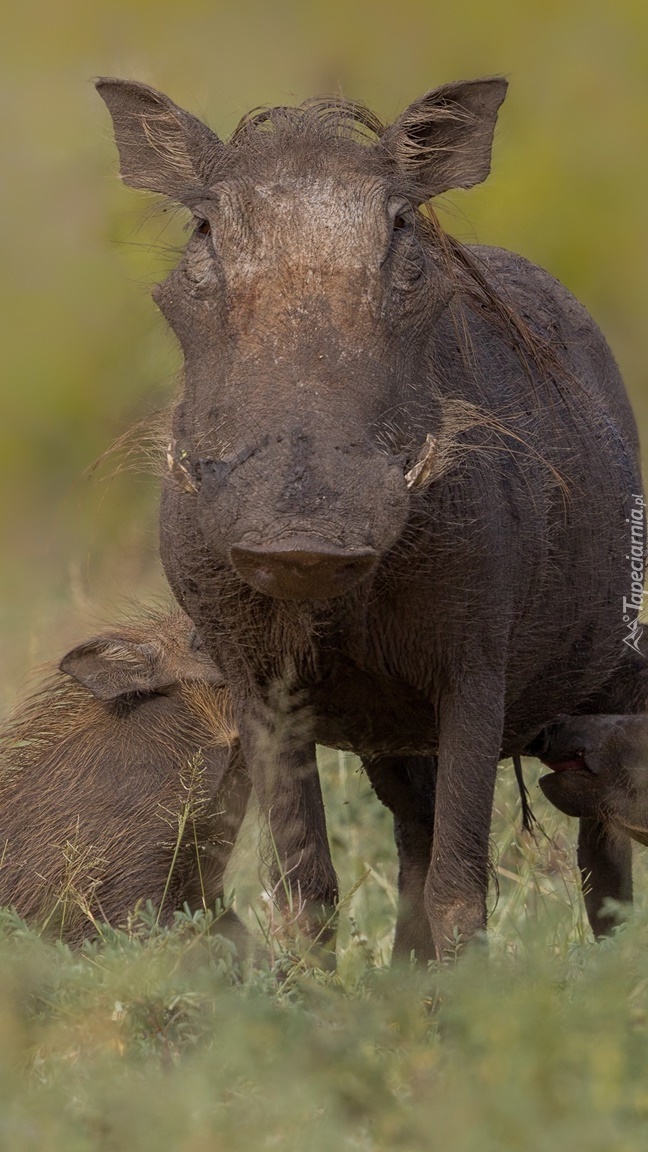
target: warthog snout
<point>302,569</point>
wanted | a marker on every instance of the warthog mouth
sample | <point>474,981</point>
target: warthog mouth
<point>302,568</point>
<point>575,763</point>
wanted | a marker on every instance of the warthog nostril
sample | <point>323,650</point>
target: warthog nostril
<point>314,572</point>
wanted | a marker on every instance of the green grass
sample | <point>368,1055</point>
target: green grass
<point>157,1039</point>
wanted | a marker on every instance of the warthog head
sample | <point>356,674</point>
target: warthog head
<point>600,769</point>
<point>303,305</point>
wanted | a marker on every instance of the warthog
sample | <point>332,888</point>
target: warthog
<point>400,479</point>
<point>120,781</point>
<point>600,774</point>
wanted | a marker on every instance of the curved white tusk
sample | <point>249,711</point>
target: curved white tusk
<point>178,470</point>
<point>423,470</point>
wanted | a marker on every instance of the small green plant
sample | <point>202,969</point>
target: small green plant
<point>192,803</point>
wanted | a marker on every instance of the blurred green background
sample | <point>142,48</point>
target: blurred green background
<point>84,353</point>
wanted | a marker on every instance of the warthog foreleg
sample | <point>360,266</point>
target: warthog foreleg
<point>470,733</point>
<point>283,768</point>
<point>406,785</point>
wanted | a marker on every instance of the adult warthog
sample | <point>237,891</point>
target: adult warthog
<point>400,479</point>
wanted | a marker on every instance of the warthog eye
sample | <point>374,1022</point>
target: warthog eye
<point>203,227</point>
<point>402,217</point>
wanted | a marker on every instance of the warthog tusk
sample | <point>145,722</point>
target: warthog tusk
<point>423,470</point>
<point>178,470</point>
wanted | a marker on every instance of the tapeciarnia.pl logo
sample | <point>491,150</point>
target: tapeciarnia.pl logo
<point>633,603</point>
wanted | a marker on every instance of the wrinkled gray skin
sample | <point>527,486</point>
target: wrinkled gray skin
<point>600,775</point>
<point>333,342</point>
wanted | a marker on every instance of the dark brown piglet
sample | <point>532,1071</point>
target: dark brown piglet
<point>599,769</point>
<point>600,775</point>
<point>121,781</point>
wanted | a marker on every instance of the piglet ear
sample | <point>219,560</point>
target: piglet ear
<point>111,667</point>
<point>444,140</point>
<point>572,794</point>
<point>161,147</point>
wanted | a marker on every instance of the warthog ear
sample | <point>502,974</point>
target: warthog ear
<point>111,667</point>
<point>161,147</point>
<point>572,794</point>
<point>444,140</point>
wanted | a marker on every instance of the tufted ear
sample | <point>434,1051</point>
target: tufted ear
<point>161,147</point>
<point>444,140</point>
<point>111,667</point>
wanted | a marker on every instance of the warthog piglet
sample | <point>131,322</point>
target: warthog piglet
<point>600,769</point>
<point>120,781</point>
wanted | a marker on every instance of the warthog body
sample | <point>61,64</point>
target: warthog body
<point>123,758</point>
<point>600,775</point>
<point>400,478</point>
